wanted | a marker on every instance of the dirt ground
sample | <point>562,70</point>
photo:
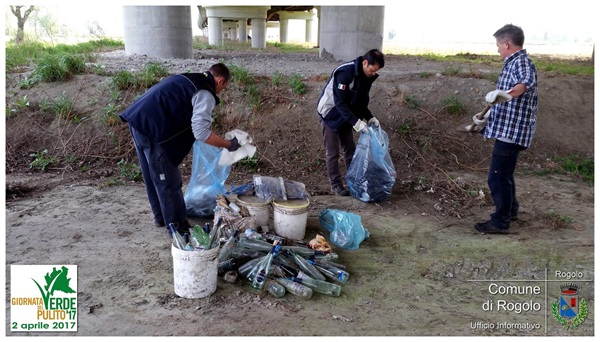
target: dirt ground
<point>425,271</point>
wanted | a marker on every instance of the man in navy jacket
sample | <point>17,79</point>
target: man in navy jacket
<point>164,123</point>
<point>344,105</point>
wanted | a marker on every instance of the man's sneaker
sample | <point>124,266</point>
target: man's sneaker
<point>340,190</point>
<point>160,223</point>
<point>488,228</point>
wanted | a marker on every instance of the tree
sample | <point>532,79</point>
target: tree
<point>21,19</point>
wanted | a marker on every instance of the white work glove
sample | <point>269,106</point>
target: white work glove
<point>373,121</point>
<point>497,96</point>
<point>481,122</point>
<point>361,127</point>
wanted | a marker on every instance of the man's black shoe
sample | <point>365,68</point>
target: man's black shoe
<point>340,190</point>
<point>488,228</point>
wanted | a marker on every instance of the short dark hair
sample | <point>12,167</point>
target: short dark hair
<point>375,56</point>
<point>220,70</point>
<point>511,32</point>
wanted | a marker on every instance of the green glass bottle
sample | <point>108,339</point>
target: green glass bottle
<point>295,288</point>
<point>306,266</point>
<point>274,288</point>
<point>264,268</point>
<point>225,251</point>
<point>319,286</point>
<point>334,273</point>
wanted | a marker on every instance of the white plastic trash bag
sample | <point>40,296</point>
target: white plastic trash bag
<point>246,148</point>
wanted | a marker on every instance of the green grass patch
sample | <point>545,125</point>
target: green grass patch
<point>254,97</point>
<point>277,79</point>
<point>563,67</point>
<point>581,166</point>
<point>129,171</point>
<point>20,55</point>
<point>123,80</point>
<point>296,84</point>
<point>144,79</point>
<point>240,75</point>
<point>412,102</point>
<point>557,220</point>
<point>559,66</point>
<point>453,105</point>
<point>41,160</point>
<point>62,106</point>
<point>20,104</point>
<point>247,82</point>
<point>450,70</point>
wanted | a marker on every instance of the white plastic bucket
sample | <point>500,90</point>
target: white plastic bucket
<point>290,217</point>
<point>259,208</point>
<point>195,272</point>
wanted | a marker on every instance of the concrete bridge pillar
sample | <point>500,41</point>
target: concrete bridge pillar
<point>349,31</point>
<point>285,16</point>
<point>319,25</point>
<point>308,32</point>
<point>158,31</point>
<point>259,32</point>
<point>283,30</point>
<point>257,15</point>
<point>215,31</point>
<point>242,30</point>
<point>230,28</point>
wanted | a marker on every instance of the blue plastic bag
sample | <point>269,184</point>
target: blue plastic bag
<point>207,181</point>
<point>371,175</point>
<point>346,229</point>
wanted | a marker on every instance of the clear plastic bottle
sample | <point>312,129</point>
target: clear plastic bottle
<point>225,251</point>
<point>319,286</point>
<point>295,288</point>
<point>306,266</point>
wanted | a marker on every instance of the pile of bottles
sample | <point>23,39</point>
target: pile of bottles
<point>271,263</point>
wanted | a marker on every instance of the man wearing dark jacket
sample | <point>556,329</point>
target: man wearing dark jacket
<point>164,123</point>
<point>344,105</point>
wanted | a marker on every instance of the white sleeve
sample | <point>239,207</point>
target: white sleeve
<point>204,104</point>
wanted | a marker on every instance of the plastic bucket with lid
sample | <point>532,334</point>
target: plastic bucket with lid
<point>290,217</point>
<point>259,208</point>
<point>195,272</point>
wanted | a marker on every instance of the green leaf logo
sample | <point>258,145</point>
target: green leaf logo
<point>55,281</point>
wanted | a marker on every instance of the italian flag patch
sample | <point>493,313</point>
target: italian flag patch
<point>341,86</point>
